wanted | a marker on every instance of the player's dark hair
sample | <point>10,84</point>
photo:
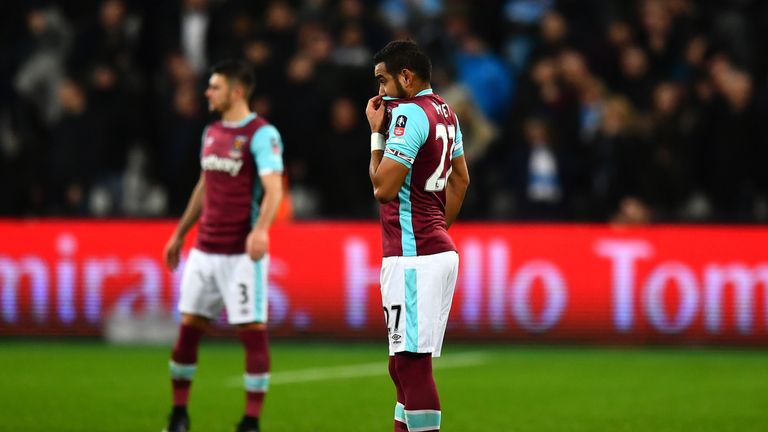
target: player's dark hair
<point>235,70</point>
<point>404,54</point>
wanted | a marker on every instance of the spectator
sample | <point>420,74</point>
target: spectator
<point>73,153</point>
<point>538,174</point>
<point>616,160</point>
<point>645,110</point>
<point>486,76</point>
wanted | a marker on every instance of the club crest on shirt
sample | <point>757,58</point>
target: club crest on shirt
<point>275,146</point>
<point>400,125</point>
<point>237,146</point>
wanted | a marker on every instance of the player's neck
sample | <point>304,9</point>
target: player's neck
<point>236,113</point>
<point>417,88</point>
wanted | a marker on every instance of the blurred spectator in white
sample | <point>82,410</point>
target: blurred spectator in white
<point>194,31</point>
<point>48,40</point>
<point>537,174</point>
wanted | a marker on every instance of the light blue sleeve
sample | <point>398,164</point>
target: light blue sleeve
<point>408,131</point>
<point>458,143</point>
<point>267,149</point>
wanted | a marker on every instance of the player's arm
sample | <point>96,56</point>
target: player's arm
<point>458,182</point>
<point>387,176</point>
<point>191,214</point>
<point>257,243</point>
<point>392,160</point>
<point>267,149</point>
<point>458,178</point>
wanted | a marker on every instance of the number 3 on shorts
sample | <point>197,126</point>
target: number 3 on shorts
<point>243,293</point>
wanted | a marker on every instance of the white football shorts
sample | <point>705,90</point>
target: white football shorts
<point>416,293</point>
<point>212,281</point>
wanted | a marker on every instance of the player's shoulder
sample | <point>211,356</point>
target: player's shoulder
<point>410,119</point>
<point>214,124</point>
<point>410,108</point>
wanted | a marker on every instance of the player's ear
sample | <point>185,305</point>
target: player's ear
<point>238,90</point>
<point>406,78</point>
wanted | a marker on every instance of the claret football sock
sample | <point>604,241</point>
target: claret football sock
<point>256,369</point>
<point>400,425</point>
<point>183,364</point>
<point>422,404</point>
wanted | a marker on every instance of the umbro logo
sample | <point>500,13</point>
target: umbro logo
<point>396,337</point>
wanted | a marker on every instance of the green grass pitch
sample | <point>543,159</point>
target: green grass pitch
<point>87,386</point>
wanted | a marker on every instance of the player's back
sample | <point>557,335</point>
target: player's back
<point>423,135</point>
<point>232,190</point>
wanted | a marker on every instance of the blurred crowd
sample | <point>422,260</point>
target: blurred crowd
<point>575,110</point>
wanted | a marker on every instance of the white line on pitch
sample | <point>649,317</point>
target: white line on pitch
<point>361,370</point>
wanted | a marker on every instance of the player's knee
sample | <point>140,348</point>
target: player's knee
<point>392,369</point>
<point>198,321</point>
<point>252,326</point>
<point>413,365</point>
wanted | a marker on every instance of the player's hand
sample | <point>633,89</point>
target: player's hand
<point>172,252</point>
<point>376,111</point>
<point>257,243</point>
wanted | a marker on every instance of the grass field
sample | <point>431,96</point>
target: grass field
<point>86,386</point>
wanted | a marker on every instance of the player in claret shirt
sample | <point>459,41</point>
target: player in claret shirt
<point>235,200</point>
<point>419,176</point>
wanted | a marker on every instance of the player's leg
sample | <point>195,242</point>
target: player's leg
<point>183,366</point>
<point>449,274</point>
<point>422,402</point>
<point>392,290</point>
<point>199,302</point>
<point>256,345</point>
<point>246,302</point>
<point>400,424</point>
<point>428,283</point>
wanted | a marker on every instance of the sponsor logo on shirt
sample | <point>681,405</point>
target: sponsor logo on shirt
<point>275,146</point>
<point>227,165</point>
<point>400,125</point>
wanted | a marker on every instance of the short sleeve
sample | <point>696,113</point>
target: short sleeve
<point>458,143</point>
<point>203,138</point>
<point>408,131</point>
<point>267,149</point>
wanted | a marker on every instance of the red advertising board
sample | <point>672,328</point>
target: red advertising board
<point>522,283</point>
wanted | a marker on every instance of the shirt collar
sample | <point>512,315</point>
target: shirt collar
<point>240,123</point>
<point>421,93</point>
